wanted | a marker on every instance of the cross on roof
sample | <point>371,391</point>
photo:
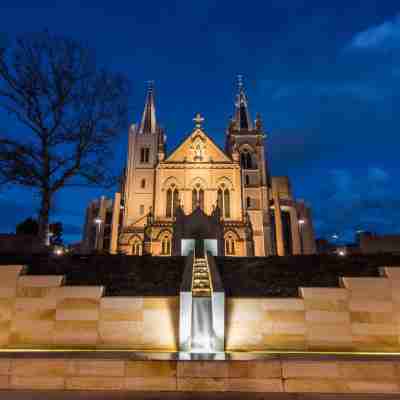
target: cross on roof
<point>198,120</point>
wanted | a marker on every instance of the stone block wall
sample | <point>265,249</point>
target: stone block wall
<point>279,374</point>
<point>362,315</point>
<point>39,312</point>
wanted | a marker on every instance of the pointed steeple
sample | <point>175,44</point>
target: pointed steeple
<point>242,116</point>
<point>149,122</point>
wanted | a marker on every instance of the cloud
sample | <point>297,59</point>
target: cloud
<point>350,201</point>
<point>385,35</point>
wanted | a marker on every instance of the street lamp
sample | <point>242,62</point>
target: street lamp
<point>98,222</point>
<point>301,223</point>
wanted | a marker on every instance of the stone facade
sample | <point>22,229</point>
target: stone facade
<point>258,212</point>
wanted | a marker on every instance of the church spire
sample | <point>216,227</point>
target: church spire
<point>149,122</point>
<point>242,116</point>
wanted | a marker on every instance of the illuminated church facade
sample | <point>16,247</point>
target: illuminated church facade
<point>226,197</point>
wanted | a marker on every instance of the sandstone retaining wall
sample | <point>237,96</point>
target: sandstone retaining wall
<point>39,311</point>
<point>270,375</point>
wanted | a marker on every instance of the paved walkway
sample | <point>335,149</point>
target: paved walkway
<point>81,395</point>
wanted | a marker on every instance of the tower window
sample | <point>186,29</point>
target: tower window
<point>247,161</point>
<point>143,183</point>
<point>247,180</point>
<point>144,155</point>
<point>248,202</point>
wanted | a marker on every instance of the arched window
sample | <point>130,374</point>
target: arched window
<point>248,202</point>
<point>172,202</point>
<point>220,201</point>
<point>197,198</point>
<point>176,201</point>
<point>137,248</point>
<point>227,204</point>
<point>247,178</point>
<point>243,160</point>
<point>201,199</point>
<point>248,161</point>
<point>166,245</point>
<point>229,245</point>
<point>224,202</point>
<point>168,211</point>
<point>194,199</point>
<point>143,183</point>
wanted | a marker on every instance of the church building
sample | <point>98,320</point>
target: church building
<point>228,198</point>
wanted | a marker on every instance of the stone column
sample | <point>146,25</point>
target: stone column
<point>115,223</point>
<point>295,228</point>
<point>278,225</point>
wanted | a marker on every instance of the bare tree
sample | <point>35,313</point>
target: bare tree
<point>71,109</point>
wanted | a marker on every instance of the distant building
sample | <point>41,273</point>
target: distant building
<point>12,243</point>
<point>97,228</point>
<point>371,243</point>
<point>257,213</point>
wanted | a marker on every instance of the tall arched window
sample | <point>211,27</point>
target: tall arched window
<point>220,201</point>
<point>166,245</point>
<point>201,199</point>
<point>137,248</point>
<point>248,161</point>
<point>224,202</point>
<point>172,202</point>
<point>248,202</point>
<point>243,160</point>
<point>143,183</point>
<point>168,211</point>
<point>175,201</point>
<point>197,198</point>
<point>247,178</point>
<point>229,245</point>
<point>227,204</point>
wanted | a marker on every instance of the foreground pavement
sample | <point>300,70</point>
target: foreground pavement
<point>102,395</point>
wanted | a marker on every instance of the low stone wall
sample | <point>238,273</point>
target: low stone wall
<point>37,311</point>
<point>278,374</point>
<point>362,315</point>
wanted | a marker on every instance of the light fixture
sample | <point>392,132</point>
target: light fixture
<point>58,252</point>
<point>341,253</point>
<point>97,221</point>
<point>302,222</point>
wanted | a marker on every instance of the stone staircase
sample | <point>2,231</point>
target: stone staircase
<point>201,282</point>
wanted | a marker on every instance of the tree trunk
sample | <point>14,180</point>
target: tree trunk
<point>44,217</point>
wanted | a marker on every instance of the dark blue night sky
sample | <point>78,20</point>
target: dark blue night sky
<point>326,80</point>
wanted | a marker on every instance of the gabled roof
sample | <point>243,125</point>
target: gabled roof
<point>186,150</point>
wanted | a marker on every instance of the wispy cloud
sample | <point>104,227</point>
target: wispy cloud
<point>385,35</point>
